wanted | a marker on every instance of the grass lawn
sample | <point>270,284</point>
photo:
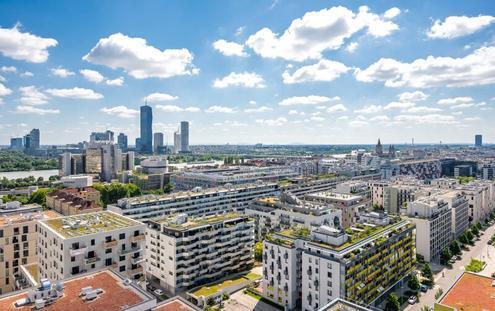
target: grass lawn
<point>209,290</point>
<point>475,265</point>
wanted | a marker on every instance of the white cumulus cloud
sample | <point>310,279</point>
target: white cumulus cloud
<point>307,100</point>
<point>230,48</point>
<point>159,97</point>
<point>243,79</point>
<point>369,109</point>
<point>458,26</point>
<point>477,68</point>
<point>31,95</point>
<point>121,111</point>
<point>415,96</point>
<point>258,109</point>
<point>36,110</point>
<point>61,72</point>
<point>272,122</point>
<point>115,82</point>
<point>92,75</point>
<point>221,109</point>
<point>75,93</point>
<point>175,108</point>
<point>324,70</point>
<point>317,31</point>
<point>4,90</point>
<point>139,59</point>
<point>24,46</point>
<point>455,100</point>
<point>337,108</point>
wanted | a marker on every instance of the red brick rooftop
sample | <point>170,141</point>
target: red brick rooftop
<point>115,297</point>
<point>471,292</point>
<point>174,304</point>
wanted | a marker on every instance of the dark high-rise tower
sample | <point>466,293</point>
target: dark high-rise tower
<point>146,129</point>
<point>478,140</point>
<point>184,136</point>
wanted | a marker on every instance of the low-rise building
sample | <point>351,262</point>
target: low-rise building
<point>82,243</point>
<point>184,252</point>
<point>200,202</point>
<point>307,269</point>
<point>77,181</point>
<point>433,219</point>
<point>73,201</point>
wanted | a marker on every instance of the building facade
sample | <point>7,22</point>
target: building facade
<point>146,124</point>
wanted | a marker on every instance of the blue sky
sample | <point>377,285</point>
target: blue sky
<point>318,72</point>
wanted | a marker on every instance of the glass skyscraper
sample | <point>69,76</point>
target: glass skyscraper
<point>146,129</point>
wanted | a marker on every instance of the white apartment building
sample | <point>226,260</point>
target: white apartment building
<point>433,219</point>
<point>82,243</point>
<point>184,252</point>
<point>349,204</point>
<point>306,269</point>
<point>460,211</point>
<point>274,213</point>
<point>200,202</point>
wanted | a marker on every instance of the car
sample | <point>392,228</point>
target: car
<point>158,292</point>
<point>424,288</point>
<point>412,300</point>
<point>452,261</point>
<point>458,257</point>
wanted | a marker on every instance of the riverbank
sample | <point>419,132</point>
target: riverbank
<point>23,174</point>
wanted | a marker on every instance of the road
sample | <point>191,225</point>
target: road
<point>481,250</point>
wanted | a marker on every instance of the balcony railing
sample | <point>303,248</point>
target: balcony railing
<point>110,243</point>
<point>137,238</point>
<point>77,251</point>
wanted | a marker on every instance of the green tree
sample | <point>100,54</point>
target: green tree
<point>258,251</point>
<point>469,236</point>
<point>413,283</point>
<point>455,248</point>
<point>445,256</point>
<point>392,303</point>
<point>475,230</point>
<point>463,239</point>
<point>39,197</point>
<point>169,187</point>
<point>428,275</point>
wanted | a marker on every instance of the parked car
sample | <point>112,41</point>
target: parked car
<point>158,292</point>
<point>452,261</point>
<point>412,300</point>
<point>424,288</point>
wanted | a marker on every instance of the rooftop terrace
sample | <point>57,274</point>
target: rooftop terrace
<point>21,217</point>
<point>356,234</point>
<point>115,297</point>
<point>84,224</point>
<point>195,222</point>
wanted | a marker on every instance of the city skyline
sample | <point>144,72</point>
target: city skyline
<point>390,71</point>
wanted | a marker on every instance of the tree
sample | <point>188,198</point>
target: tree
<point>39,197</point>
<point>463,239</point>
<point>392,303</point>
<point>413,283</point>
<point>428,275</point>
<point>478,226</point>
<point>168,187</point>
<point>445,256</point>
<point>455,248</point>
<point>258,251</point>
<point>469,236</point>
<point>475,230</point>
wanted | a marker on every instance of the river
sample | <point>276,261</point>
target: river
<point>21,174</point>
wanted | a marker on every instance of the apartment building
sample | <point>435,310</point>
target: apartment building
<point>184,252</point>
<point>307,269</point>
<point>460,211</point>
<point>433,219</point>
<point>349,204</point>
<point>18,236</point>
<point>200,202</point>
<point>73,201</point>
<point>275,213</point>
<point>82,243</point>
<point>313,185</point>
<point>234,176</point>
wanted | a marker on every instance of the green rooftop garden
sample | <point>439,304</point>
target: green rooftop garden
<point>79,225</point>
<point>193,222</point>
<point>212,289</point>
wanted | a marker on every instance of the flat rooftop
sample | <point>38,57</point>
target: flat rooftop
<point>187,194</point>
<point>471,292</point>
<point>176,303</point>
<point>84,224</point>
<point>22,217</point>
<point>115,297</point>
<point>335,196</point>
<point>356,234</point>
<point>195,222</point>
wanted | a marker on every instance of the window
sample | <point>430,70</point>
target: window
<point>108,250</point>
<point>25,229</point>
<point>16,230</point>
<point>73,259</point>
<point>122,236</point>
<point>122,268</point>
<point>121,258</point>
<point>329,274</point>
<point>1,233</point>
<point>108,262</point>
<point>92,242</point>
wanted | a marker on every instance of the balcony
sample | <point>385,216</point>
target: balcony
<point>109,244</point>
<point>90,260</point>
<point>130,250</point>
<point>136,260</point>
<point>136,270</point>
<point>78,251</point>
<point>137,238</point>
